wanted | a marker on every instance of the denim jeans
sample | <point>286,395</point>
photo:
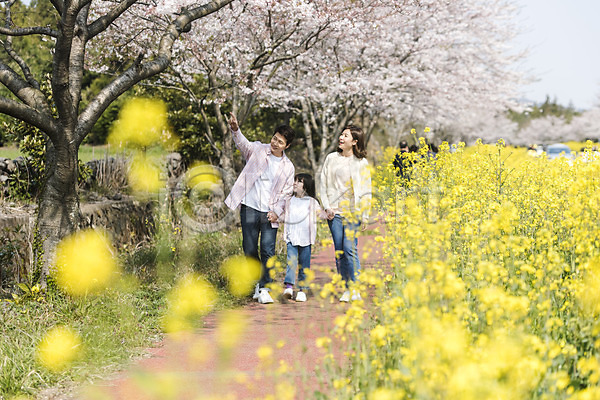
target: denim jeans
<point>345,243</point>
<point>297,255</point>
<point>255,223</point>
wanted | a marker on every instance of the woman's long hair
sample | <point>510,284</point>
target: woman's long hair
<point>360,148</point>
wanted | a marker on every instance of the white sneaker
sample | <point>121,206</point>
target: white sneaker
<point>301,296</point>
<point>256,292</point>
<point>288,293</point>
<point>355,296</point>
<point>345,297</point>
<point>264,297</point>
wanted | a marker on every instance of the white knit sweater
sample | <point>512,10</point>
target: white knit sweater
<point>340,194</point>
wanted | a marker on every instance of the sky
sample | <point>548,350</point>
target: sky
<point>564,41</point>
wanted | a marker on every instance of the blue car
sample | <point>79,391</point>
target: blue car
<point>558,150</point>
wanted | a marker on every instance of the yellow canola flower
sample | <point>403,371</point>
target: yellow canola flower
<point>142,123</point>
<point>265,356</point>
<point>323,341</point>
<point>285,391</point>
<point>588,294</point>
<point>85,262</point>
<point>378,335</point>
<point>242,273</point>
<point>202,176</point>
<point>160,385</point>
<point>230,329</point>
<point>144,175</point>
<point>192,297</point>
<point>386,394</point>
<point>264,352</point>
<point>59,347</point>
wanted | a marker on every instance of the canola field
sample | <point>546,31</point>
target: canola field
<point>492,289</point>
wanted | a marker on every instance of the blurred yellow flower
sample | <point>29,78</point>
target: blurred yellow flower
<point>242,273</point>
<point>285,391</point>
<point>386,394</point>
<point>191,297</point>
<point>230,328</point>
<point>264,352</point>
<point>142,123</point>
<point>202,176</point>
<point>59,347</point>
<point>85,262</point>
<point>160,385</point>
<point>144,175</point>
<point>378,335</point>
<point>323,341</point>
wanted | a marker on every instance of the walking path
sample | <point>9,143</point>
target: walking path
<point>192,368</point>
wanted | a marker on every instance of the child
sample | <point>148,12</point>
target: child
<point>300,233</point>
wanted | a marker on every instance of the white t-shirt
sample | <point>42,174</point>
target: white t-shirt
<point>258,197</point>
<point>298,221</point>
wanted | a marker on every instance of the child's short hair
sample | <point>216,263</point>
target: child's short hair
<point>308,182</point>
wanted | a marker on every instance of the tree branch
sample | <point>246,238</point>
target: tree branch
<point>59,5</point>
<point>139,71</point>
<point>102,23</point>
<point>32,30</point>
<point>30,115</point>
<point>22,90</point>
<point>15,56</point>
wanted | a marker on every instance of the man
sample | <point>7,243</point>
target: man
<point>402,163</point>
<point>262,188</point>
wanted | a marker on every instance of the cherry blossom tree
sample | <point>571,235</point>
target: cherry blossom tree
<point>480,124</point>
<point>546,130</point>
<point>62,118</point>
<point>587,125</point>
<point>334,61</point>
<point>236,52</point>
<point>426,62</point>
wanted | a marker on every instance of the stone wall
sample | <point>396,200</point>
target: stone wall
<point>8,168</point>
<point>128,222</point>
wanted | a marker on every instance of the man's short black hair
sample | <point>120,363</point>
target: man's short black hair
<point>287,132</point>
<point>403,144</point>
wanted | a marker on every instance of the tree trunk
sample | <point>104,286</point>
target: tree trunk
<point>226,160</point>
<point>59,213</point>
<point>306,112</point>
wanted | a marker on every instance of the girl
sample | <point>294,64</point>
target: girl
<point>345,190</point>
<point>300,232</point>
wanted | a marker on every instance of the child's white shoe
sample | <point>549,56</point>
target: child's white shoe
<point>345,297</point>
<point>256,292</point>
<point>288,293</point>
<point>301,296</point>
<point>264,297</point>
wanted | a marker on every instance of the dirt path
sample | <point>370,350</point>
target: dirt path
<point>192,368</point>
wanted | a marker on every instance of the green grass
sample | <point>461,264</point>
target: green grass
<point>11,152</point>
<point>114,326</point>
<point>86,152</point>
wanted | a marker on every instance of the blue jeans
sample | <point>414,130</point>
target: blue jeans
<point>255,223</point>
<point>345,243</point>
<point>297,255</point>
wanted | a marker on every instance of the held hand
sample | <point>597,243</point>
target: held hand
<point>233,122</point>
<point>271,216</point>
<point>363,227</point>
<point>330,214</point>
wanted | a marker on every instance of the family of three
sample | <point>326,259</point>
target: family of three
<point>268,192</point>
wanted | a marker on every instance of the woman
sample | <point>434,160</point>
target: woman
<point>345,191</point>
